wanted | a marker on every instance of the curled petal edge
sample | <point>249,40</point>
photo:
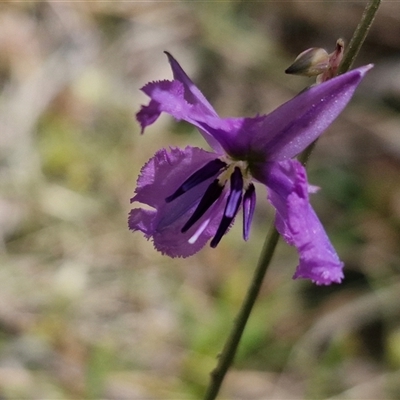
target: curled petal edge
<point>298,224</point>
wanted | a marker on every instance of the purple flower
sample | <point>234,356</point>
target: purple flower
<point>194,194</point>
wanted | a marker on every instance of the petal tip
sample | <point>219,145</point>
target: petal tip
<point>365,68</point>
<point>323,275</point>
<point>168,54</point>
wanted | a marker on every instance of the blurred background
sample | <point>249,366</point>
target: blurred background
<point>89,310</point>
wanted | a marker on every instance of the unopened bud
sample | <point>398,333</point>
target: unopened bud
<point>317,62</point>
<point>310,62</point>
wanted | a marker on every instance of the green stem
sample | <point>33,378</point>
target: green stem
<point>350,55</point>
<point>228,353</point>
<point>359,36</point>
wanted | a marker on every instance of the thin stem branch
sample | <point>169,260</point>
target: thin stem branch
<point>228,353</point>
<point>350,55</point>
<point>359,36</point>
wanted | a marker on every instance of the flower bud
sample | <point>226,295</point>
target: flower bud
<point>317,62</point>
<point>311,62</point>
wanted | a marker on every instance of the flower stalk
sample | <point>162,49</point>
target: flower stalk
<point>228,353</point>
<point>359,36</point>
<point>226,358</point>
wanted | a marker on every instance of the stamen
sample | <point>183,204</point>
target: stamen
<point>199,231</point>
<point>211,169</point>
<point>249,205</point>
<point>232,206</point>
<point>210,196</point>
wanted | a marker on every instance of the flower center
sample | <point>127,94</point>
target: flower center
<point>241,191</point>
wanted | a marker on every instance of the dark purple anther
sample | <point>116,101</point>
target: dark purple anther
<point>232,206</point>
<point>209,170</point>
<point>249,204</point>
<point>209,198</point>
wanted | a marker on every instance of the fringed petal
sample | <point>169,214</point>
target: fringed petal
<point>297,222</point>
<point>163,223</point>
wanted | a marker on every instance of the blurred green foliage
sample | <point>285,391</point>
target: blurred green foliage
<point>90,310</point>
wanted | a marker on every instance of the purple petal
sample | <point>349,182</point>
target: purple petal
<point>165,96</point>
<point>148,115</point>
<point>179,98</point>
<point>235,135</point>
<point>158,179</point>
<point>297,222</point>
<point>294,125</point>
<point>290,128</point>
<point>192,93</point>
